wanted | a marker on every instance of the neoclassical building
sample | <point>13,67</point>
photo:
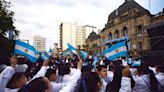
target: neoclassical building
<point>128,22</point>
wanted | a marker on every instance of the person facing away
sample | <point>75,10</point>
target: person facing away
<point>146,81</point>
<point>51,75</point>
<point>90,82</point>
<point>41,84</point>
<point>115,85</point>
<point>160,76</point>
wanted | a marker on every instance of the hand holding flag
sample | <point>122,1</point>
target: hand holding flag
<point>84,54</point>
<point>44,56</point>
<point>73,50</point>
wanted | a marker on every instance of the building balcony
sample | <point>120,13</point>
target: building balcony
<point>114,40</point>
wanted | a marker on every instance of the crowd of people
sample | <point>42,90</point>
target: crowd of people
<point>77,75</point>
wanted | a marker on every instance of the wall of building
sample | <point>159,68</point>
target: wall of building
<point>39,43</point>
<point>73,33</point>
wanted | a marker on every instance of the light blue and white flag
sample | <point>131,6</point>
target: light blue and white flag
<point>130,61</point>
<point>68,53</point>
<point>44,56</point>
<point>72,49</point>
<point>95,61</point>
<point>136,63</point>
<point>26,50</point>
<point>84,54</point>
<point>115,51</point>
<point>50,52</point>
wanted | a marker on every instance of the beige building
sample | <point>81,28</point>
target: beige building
<point>74,33</point>
<point>39,43</point>
<point>128,22</point>
<point>55,49</point>
<point>89,29</point>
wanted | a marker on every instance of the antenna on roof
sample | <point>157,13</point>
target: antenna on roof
<point>150,6</point>
<point>116,11</point>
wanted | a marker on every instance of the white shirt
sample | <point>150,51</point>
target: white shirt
<point>141,85</point>
<point>125,85</point>
<point>72,82</point>
<point>103,87</point>
<point>41,73</point>
<point>11,90</point>
<point>5,76</point>
<point>160,78</point>
<point>56,87</point>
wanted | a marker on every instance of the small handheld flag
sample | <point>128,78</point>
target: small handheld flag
<point>44,56</point>
<point>26,50</point>
<point>72,49</point>
<point>137,63</point>
<point>95,61</point>
<point>116,51</point>
<point>84,54</point>
<point>50,52</point>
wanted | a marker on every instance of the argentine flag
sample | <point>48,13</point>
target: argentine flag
<point>96,59</point>
<point>72,49</point>
<point>44,56</point>
<point>137,63</point>
<point>67,53</point>
<point>26,50</point>
<point>84,54</point>
<point>115,51</point>
<point>50,52</point>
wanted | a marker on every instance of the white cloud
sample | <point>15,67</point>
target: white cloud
<point>43,17</point>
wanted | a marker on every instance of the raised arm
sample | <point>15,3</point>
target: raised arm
<point>7,73</point>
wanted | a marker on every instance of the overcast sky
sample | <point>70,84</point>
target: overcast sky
<point>43,17</point>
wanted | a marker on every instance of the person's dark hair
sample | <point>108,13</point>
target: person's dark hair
<point>99,68</point>
<point>143,69</point>
<point>111,68</point>
<point>16,77</point>
<point>161,67</point>
<point>49,72</point>
<point>89,83</point>
<point>87,68</point>
<point>115,85</point>
<point>132,81</point>
<point>36,85</point>
<point>153,80</point>
<point>64,69</point>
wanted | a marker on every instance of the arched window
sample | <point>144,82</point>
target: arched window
<point>116,34</point>
<point>110,36</point>
<point>125,31</point>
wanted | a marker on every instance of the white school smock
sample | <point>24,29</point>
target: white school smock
<point>5,76</point>
<point>141,85</point>
<point>72,83</point>
<point>160,78</point>
<point>125,85</point>
<point>56,87</point>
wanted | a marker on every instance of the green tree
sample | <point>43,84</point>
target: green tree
<point>6,25</point>
<point>6,19</point>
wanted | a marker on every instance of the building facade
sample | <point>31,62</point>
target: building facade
<point>39,43</point>
<point>74,33</point>
<point>128,22</point>
<point>55,49</point>
<point>89,29</point>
